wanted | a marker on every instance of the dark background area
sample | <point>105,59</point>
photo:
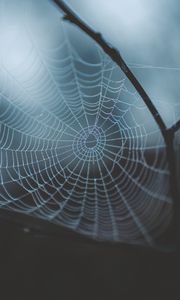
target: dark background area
<point>56,264</point>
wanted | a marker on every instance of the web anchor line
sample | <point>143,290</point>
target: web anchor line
<point>167,133</point>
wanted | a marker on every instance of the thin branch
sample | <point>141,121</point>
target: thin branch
<point>175,127</point>
<point>116,57</point>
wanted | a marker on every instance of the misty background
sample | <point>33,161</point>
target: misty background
<point>147,35</point>
<point>145,32</point>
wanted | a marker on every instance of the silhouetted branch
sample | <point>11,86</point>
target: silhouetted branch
<point>116,57</point>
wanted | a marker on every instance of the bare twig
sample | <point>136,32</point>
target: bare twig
<point>115,56</point>
<point>175,127</point>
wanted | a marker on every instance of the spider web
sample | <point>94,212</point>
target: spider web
<point>78,147</point>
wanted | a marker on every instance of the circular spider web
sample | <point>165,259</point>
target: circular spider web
<point>78,146</point>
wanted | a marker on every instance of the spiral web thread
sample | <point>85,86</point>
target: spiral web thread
<point>79,148</point>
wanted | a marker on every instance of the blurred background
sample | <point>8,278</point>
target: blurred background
<point>145,32</point>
